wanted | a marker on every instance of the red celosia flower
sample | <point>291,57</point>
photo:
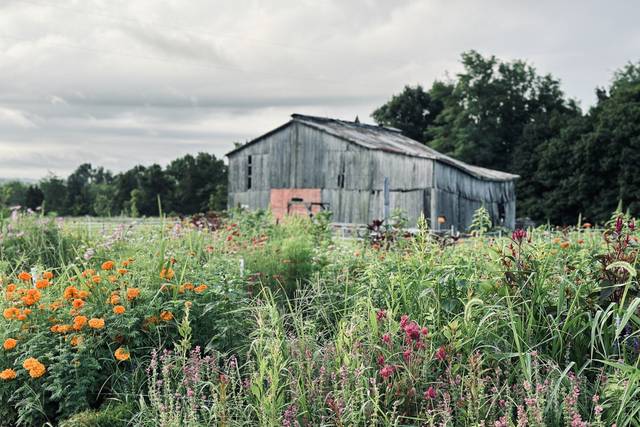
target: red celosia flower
<point>430,394</point>
<point>441,354</point>
<point>386,338</point>
<point>386,371</point>
<point>381,314</point>
<point>412,330</point>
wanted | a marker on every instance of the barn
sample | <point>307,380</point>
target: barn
<point>353,169</point>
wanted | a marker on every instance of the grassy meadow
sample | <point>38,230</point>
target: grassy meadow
<point>239,321</point>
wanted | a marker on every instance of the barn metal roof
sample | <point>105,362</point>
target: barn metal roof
<point>374,137</point>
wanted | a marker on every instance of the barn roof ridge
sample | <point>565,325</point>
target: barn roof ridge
<point>381,138</point>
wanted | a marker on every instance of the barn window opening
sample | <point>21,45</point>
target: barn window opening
<point>341,177</point>
<point>501,212</point>
<point>297,199</point>
<point>249,171</point>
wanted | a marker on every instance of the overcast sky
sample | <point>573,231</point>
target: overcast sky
<point>124,82</point>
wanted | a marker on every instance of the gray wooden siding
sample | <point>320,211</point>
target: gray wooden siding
<point>300,156</point>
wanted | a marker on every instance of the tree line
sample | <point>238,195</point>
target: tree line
<point>505,115</point>
<point>188,185</point>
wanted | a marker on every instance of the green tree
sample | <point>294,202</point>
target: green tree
<point>33,197</point>
<point>54,190</point>
<point>413,111</point>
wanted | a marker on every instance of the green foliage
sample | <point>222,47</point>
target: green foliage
<point>111,415</point>
<point>507,116</point>
<point>481,222</point>
<point>188,185</point>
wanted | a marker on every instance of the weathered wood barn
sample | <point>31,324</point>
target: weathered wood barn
<point>312,163</point>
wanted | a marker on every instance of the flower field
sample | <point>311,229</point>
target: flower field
<point>239,321</point>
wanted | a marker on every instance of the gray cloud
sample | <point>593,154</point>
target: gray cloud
<point>119,83</point>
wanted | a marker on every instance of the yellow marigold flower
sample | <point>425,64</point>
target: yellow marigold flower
<point>121,354</point>
<point>9,344</point>
<point>166,316</point>
<point>42,283</point>
<point>77,303</point>
<point>47,275</point>
<point>200,289</point>
<point>133,293</point>
<point>24,276</point>
<point>7,375</point>
<point>96,323</point>
<point>119,309</point>
<point>108,265</point>
<point>79,322</point>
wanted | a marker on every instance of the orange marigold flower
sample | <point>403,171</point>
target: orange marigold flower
<point>88,272</point>
<point>10,313</point>
<point>78,303</point>
<point>7,375</point>
<point>108,265</point>
<point>188,286</point>
<point>112,279</point>
<point>133,293</point>
<point>122,271</point>
<point>166,316</point>
<point>70,292</point>
<point>121,354</point>
<point>11,287</point>
<point>565,245</point>
<point>76,340</point>
<point>32,297</point>
<point>9,344</point>
<point>167,273</point>
<point>114,299</point>
<point>96,279</point>
<point>79,322</point>
<point>26,311</point>
<point>151,320</point>
<point>24,276</point>
<point>35,368</point>
<point>47,275</point>
<point>96,323</point>
<point>42,283</point>
<point>83,294</point>
<point>22,317</point>
<point>119,309</point>
<point>200,289</point>
<point>29,363</point>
